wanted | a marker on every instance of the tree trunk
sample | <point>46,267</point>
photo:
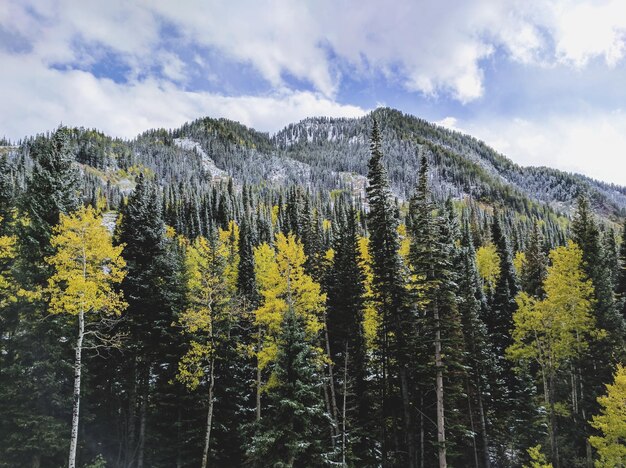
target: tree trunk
<point>333,396</point>
<point>553,427</point>
<point>331,427</point>
<point>77,374</point>
<point>343,409</point>
<point>258,382</point>
<point>406,417</point>
<point>483,428</point>
<point>209,418</point>
<point>470,412</point>
<point>441,431</point>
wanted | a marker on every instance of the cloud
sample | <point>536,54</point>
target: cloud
<point>593,144</point>
<point>429,47</point>
<point>40,98</point>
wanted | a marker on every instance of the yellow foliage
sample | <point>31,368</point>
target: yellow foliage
<point>518,262</point>
<point>208,296</point>
<point>283,283</point>
<point>554,329</point>
<point>371,318</point>
<point>611,422</point>
<point>405,243</point>
<point>86,266</point>
<point>488,264</point>
<point>537,458</point>
<point>7,254</point>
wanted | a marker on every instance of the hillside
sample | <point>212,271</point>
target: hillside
<point>328,154</point>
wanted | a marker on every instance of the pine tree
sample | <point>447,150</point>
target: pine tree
<point>389,291</point>
<point>480,361</point>
<point>347,342</point>
<point>595,367</point>
<point>289,433</point>
<point>533,271</point>
<point>149,315</point>
<point>52,190</point>
<point>433,285</point>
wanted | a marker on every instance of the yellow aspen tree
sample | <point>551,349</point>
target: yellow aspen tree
<point>554,330</point>
<point>86,268</point>
<point>611,422</point>
<point>283,284</point>
<point>208,296</point>
<point>488,264</point>
<point>7,255</point>
<point>371,318</point>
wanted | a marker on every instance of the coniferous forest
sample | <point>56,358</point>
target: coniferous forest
<point>374,292</point>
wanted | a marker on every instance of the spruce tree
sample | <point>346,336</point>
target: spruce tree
<point>290,433</point>
<point>535,264</point>
<point>389,290</point>
<point>347,342</point>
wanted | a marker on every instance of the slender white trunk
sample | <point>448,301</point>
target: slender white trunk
<point>333,397</point>
<point>258,380</point>
<point>441,431</point>
<point>209,418</point>
<point>343,409</point>
<point>77,373</point>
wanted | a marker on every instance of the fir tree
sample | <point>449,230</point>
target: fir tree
<point>289,433</point>
<point>347,342</point>
<point>389,291</point>
<point>535,264</point>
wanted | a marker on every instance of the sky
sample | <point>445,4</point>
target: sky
<point>543,82</point>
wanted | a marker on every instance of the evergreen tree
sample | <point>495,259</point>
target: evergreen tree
<point>535,264</point>
<point>346,292</point>
<point>290,432</point>
<point>389,290</point>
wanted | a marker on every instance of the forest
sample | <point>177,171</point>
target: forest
<point>155,316</point>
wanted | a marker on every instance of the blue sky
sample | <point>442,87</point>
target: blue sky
<point>544,82</point>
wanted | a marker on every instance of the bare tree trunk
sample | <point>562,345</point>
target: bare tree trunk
<point>441,431</point>
<point>331,427</point>
<point>406,417</point>
<point>258,382</point>
<point>77,374</point>
<point>553,427</point>
<point>483,428</point>
<point>333,396</point>
<point>471,418</point>
<point>209,418</point>
<point>343,409</point>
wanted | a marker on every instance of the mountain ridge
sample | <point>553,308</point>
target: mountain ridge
<point>332,153</point>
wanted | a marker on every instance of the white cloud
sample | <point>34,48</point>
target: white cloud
<point>434,47</point>
<point>40,98</point>
<point>593,144</point>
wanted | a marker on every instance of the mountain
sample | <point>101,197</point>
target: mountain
<point>332,154</point>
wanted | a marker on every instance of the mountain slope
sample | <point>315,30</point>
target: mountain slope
<point>328,154</point>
